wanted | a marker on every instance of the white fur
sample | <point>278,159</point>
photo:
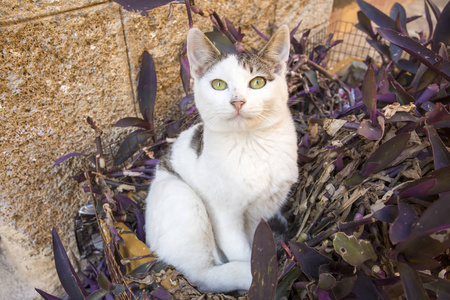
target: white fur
<point>244,173</point>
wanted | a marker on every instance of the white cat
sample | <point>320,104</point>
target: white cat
<point>222,176</point>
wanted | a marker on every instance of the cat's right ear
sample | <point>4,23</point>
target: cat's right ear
<point>202,54</point>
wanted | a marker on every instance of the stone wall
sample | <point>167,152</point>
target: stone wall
<point>62,61</point>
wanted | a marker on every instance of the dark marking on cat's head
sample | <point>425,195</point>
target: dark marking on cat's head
<point>197,140</point>
<point>257,65</point>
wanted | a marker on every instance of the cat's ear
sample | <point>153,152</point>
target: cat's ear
<point>201,53</point>
<point>277,49</point>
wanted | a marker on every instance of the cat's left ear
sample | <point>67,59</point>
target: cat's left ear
<point>201,53</point>
<point>277,49</point>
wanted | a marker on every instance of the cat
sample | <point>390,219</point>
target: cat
<point>223,175</point>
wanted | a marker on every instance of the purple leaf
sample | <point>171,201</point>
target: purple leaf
<point>339,162</point>
<point>381,47</point>
<point>65,157</point>
<point>260,33</point>
<point>431,243</point>
<point>144,6</point>
<point>91,123</point>
<point>67,275</point>
<point>132,121</point>
<point>387,214</point>
<point>140,232</point>
<point>401,228</point>
<point>440,153</point>
<point>116,238</point>
<point>365,24</point>
<point>429,21</point>
<point>398,13</point>
<point>434,8</point>
<point>387,97</point>
<point>79,177</point>
<point>236,33</point>
<point>185,73</point>
<point>186,100</point>
<point>147,87</point>
<point>387,152</point>
<point>438,114</point>
<point>161,293</point>
<point>428,93</point>
<point>323,295</point>
<point>308,258</point>
<point>46,296</point>
<point>151,162</point>
<point>369,94</point>
<point>437,214</point>
<point>130,145</point>
<point>303,40</point>
<point>418,188</point>
<point>441,31</point>
<point>403,96</point>
<point>411,282</point>
<point>408,65</point>
<point>124,201</point>
<point>264,264</point>
<point>369,131</point>
<point>413,18</point>
<point>364,288</point>
<point>434,183</point>
<point>396,52</point>
<point>415,49</point>
<point>403,116</point>
<point>443,51</point>
<point>377,16</point>
<point>295,30</point>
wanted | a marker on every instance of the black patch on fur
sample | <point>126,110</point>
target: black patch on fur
<point>197,140</point>
<point>166,164</point>
<point>279,227</point>
<point>257,65</point>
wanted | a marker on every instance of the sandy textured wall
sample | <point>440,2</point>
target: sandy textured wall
<point>61,61</point>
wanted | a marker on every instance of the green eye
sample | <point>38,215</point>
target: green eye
<point>219,84</point>
<point>257,83</point>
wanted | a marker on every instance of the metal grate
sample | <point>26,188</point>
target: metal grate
<point>354,44</point>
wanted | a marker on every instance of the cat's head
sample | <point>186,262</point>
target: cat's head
<point>239,92</point>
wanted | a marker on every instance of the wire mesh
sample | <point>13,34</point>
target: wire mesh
<point>354,43</point>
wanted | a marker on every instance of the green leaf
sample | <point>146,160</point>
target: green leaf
<point>221,42</point>
<point>353,251</point>
<point>285,285</point>
<point>119,289</point>
<point>98,294</point>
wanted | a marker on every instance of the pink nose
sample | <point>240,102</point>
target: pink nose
<point>238,104</point>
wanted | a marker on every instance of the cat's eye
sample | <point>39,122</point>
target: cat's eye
<point>219,84</point>
<point>257,83</point>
